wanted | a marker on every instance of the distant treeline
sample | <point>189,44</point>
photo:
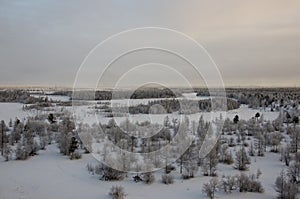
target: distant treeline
<point>20,96</point>
<point>137,94</point>
<point>183,106</point>
<point>261,97</point>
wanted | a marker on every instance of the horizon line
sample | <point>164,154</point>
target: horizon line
<point>58,87</point>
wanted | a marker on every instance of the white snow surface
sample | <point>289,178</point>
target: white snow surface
<point>88,115</point>
<point>51,175</point>
<point>11,111</point>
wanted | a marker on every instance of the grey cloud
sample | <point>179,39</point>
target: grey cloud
<point>44,42</point>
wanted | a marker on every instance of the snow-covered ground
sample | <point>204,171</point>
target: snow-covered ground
<point>11,111</point>
<point>51,175</point>
<point>87,114</point>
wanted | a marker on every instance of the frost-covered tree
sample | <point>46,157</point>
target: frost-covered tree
<point>294,172</point>
<point>295,139</point>
<point>274,140</point>
<point>124,160</point>
<point>285,155</point>
<point>15,135</point>
<point>21,153</point>
<point>64,140</point>
<point>278,122</point>
<point>210,162</point>
<point>31,146</point>
<point>285,188</point>
<point>260,145</point>
<point>3,137</point>
<point>225,155</point>
<point>251,150</point>
<point>44,139</point>
<point>242,159</point>
<point>189,161</point>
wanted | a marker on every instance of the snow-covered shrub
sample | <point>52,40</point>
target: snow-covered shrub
<point>108,174</point>
<point>148,177</point>
<point>76,155</point>
<point>228,184</point>
<point>21,153</point>
<point>7,153</point>
<point>210,188</point>
<point>167,178</point>
<point>249,184</point>
<point>117,192</point>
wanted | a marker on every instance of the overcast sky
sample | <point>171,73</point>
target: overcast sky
<point>254,43</point>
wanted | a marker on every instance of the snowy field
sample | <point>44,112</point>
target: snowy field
<point>12,110</point>
<point>51,175</point>
<point>87,114</point>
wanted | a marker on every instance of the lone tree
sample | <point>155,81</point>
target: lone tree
<point>51,118</point>
<point>257,115</point>
<point>236,119</point>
